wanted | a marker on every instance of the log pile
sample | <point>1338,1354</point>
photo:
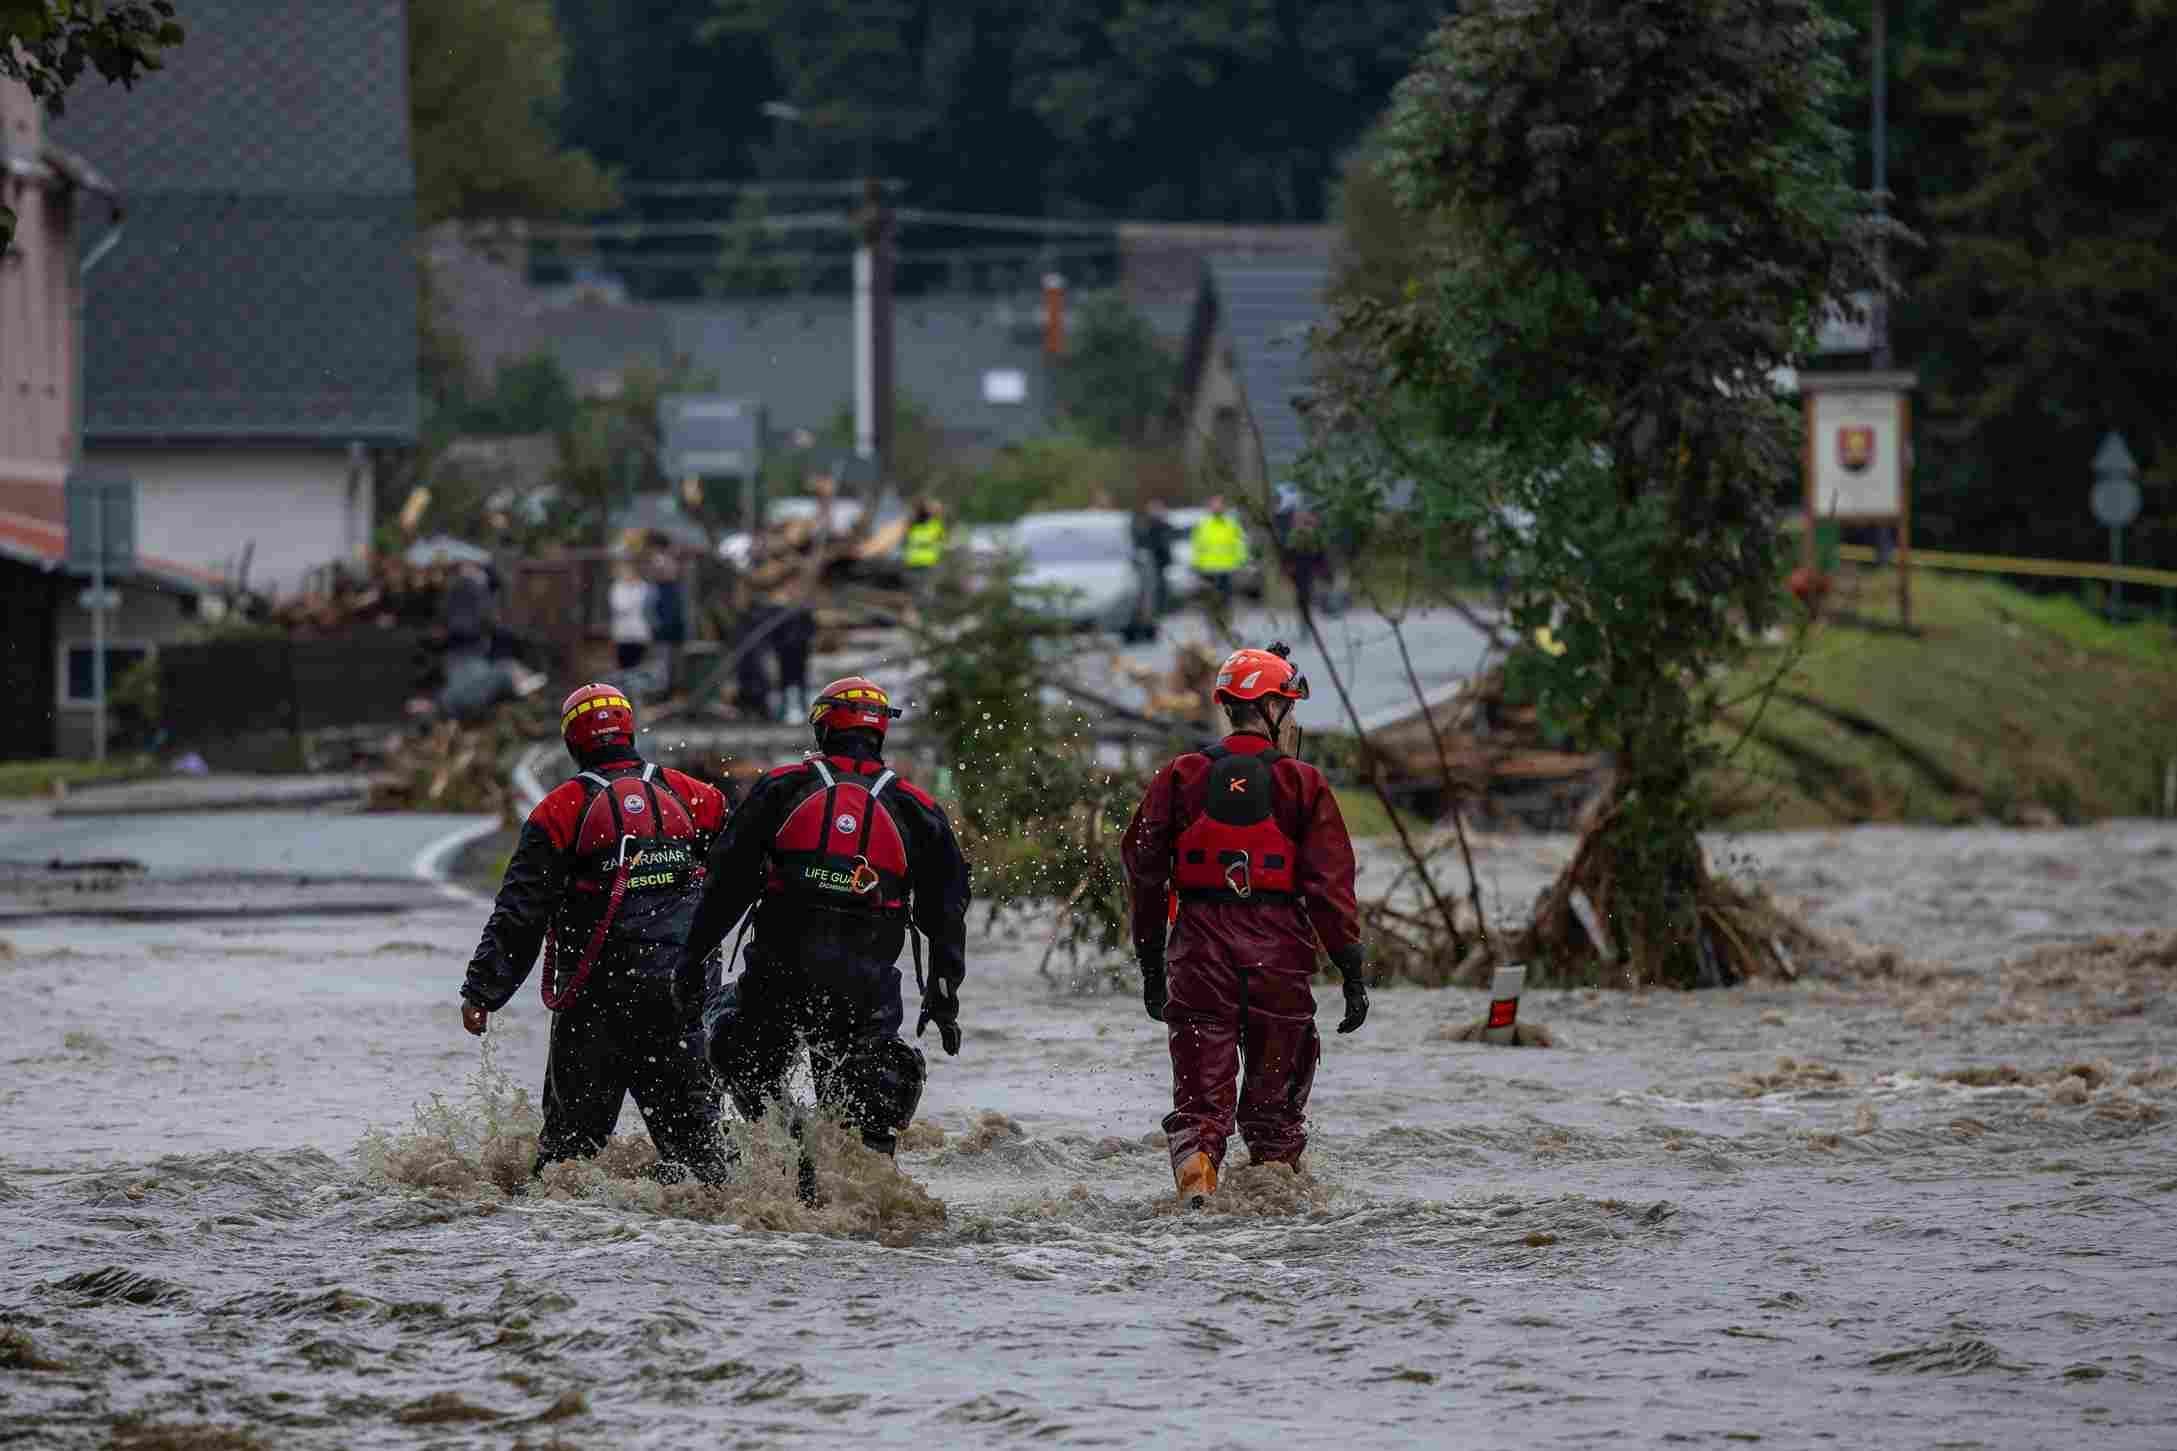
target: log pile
<point>449,766</point>
<point>1180,691</point>
<point>1493,753</point>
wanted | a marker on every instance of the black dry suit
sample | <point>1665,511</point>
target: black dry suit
<point>609,969</point>
<point>839,857</point>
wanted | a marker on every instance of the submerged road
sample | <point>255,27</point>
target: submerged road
<point>252,1194</point>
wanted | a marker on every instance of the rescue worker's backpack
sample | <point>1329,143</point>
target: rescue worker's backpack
<point>635,837</point>
<point>840,847</point>
<point>1235,851</point>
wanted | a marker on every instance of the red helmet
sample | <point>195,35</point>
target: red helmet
<point>856,702</point>
<point>596,716</point>
<point>1260,675</point>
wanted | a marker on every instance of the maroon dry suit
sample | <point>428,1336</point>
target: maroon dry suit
<point>1255,900</point>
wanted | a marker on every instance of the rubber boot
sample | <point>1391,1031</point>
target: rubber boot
<point>1197,1179</point>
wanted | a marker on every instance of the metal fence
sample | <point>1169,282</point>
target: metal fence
<point>226,688</point>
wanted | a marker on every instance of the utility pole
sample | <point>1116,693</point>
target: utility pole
<point>873,281</point>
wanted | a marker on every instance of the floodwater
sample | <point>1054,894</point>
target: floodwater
<point>250,1196</point>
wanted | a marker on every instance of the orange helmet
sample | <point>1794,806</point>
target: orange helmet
<point>1260,675</point>
<point>596,716</point>
<point>856,702</point>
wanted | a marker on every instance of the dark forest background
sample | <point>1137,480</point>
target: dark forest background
<point>2032,153</point>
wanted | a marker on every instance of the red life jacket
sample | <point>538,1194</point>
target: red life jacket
<point>840,847</point>
<point>634,878</point>
<point>639,808</point>
<point>1235,851</point>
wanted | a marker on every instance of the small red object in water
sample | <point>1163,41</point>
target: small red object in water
<point>1502,1012</point>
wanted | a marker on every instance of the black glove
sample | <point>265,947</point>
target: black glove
<point>1351,963</point>
<point>1153,992</point>
<point>941,1005</point>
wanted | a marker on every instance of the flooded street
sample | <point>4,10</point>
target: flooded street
<point>1928,1200</point>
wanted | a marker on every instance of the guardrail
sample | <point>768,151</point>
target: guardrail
<point>2003,564</point>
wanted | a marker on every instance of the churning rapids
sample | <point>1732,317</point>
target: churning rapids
<point>250,1196</point>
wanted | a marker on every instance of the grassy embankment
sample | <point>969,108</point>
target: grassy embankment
<point>2003,705</point>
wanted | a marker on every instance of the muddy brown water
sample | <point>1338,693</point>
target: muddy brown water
<point>250,1195</point>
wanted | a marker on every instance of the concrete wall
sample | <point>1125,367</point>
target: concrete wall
<point>303,508</point>
<point>146,617</point>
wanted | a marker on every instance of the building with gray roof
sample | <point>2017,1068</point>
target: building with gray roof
<point>1244,370</point>
<point>253,336</point>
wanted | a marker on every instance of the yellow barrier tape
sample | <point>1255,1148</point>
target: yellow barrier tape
<point>2001,564</point>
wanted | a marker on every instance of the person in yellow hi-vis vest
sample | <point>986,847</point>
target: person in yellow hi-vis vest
<point>924,545</point>
<point>1220,551</point>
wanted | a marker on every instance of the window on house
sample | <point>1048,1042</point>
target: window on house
<point>76,679</point>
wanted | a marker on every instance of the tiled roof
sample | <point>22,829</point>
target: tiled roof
<point>264,286</point>
<point>1264,309</point>
<point>280,97</point>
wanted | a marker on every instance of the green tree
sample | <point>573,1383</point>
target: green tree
<point>1636,209</point>
<point>1245,105</point>
<point>1115,380</point>
<point>47,45</point>
<point>2047,294</point>
<point>484,92</point>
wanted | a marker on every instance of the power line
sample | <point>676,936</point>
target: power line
<point>997,222</point>
<point>648,231</point>
<point>1025,256</point>
<point>756,188</point>
<point>793,221</point>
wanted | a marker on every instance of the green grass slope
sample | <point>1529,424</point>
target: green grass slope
<point>2001,705</point>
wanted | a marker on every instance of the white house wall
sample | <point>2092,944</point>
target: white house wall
<point>202,508</point>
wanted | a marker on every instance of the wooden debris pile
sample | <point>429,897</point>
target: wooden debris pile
<point>449,766</point>
<point>1493,754</point>
<point>1180,691</point>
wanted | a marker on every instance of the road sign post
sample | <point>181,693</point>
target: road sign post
<point>2115,502</point>
<point>102,540</point>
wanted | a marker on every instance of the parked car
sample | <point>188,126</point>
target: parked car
<point>1181,582</point>
<point>1082,558</point>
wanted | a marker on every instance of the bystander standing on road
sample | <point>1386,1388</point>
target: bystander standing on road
<point>1219,549</point>
<point>668,610</point>
<point>1152,540</point>
<point>923,547</point>
<point>630,604</point>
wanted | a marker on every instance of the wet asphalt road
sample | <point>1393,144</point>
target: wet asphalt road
<point>322,843</point>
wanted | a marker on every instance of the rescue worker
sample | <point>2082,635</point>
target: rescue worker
<point>924,545</point>
<point>1252,842</point>
<point>607,875</point>
<point>839,858</point>
<point>1219,546</point>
